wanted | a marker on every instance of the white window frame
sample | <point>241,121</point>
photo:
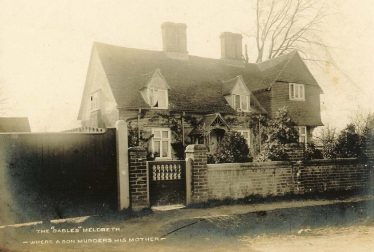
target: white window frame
<point>248,140</point>
<point>241,97</point>
<point>161,139</point>
<point>153,92</point>
<point>95,99</point>
<point>305,135</point>
<point>297,92</point>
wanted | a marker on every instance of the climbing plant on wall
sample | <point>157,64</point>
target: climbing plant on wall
<point>174,122</point>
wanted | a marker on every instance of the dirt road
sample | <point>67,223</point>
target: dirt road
<point>302,226</point>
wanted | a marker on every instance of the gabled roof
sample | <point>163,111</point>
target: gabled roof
<point>286,68</point>
<point>14,124</point>
<point>208,122</point>
<point>229,85</point>
<point>195,84</point>
<point>214,120</point>
<point>149,76</point>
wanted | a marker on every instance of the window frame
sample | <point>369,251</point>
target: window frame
<point>248,140</point>
<point>296,92</point>
<point>161,139</point>
<point>241,97</point>
<point>152,92</point>
<point>95,101</point>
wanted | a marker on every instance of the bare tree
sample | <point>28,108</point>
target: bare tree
<point>286,25</point>
<point>362,120</point>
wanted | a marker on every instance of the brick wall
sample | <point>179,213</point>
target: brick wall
<point>332,175</point>
<point>234,181</point>
<point>138,178</point>
<point>295,153</point>
<point>237,181</point>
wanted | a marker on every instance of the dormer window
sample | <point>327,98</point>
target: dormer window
<point>242,102</point>
<point>237,94</point>
<point>297,92</point>
<point>158,98</point>
<point>155,91</point>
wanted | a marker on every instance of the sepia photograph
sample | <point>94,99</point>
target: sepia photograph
<point>174,125</point>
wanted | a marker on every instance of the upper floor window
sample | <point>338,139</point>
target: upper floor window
<point>158,98</point>
<point>247,136</point>
<point>95,101</point>
<point>242,102</point>
<point>302,134</point>
<point>161,143</point>
<point>297,92</point>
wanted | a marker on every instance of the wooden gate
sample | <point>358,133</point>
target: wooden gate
<point>167,182</point>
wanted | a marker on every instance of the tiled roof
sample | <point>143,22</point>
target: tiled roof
<point>197,84</point>
<point>286,68</point>
<point>14,124</point>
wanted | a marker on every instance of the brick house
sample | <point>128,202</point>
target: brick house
<point>172,97</point>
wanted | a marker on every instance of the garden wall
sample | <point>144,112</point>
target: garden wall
<point>235,181</point>
<point>333,175</point>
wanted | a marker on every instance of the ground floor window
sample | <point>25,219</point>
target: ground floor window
<point>302,134</point>
<point>161,143</point>
<point>247,136</point>
<point>197,139</point>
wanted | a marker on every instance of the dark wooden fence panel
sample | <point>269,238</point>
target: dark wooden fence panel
<point>56,175</point>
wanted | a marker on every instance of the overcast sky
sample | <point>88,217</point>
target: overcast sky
<point>45,47</point>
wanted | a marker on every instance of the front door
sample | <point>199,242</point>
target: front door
<point>215,138</point>
<point>167,182</point>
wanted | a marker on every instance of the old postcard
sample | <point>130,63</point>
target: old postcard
<point>165,125</point>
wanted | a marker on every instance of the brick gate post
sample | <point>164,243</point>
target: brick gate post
<point>199,172</point>
<point>139,184</point>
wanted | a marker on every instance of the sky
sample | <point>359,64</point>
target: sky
<point>45,49</point>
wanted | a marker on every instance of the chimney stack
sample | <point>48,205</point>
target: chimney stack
<point>174,38</point>
<point>231,46</point>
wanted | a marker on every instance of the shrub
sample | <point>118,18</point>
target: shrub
<point>349,143</point>
<point>232,149</point>
<point>275,135</point>
<point>311,152</point>
<point>328,139</point>
<point>272,151</point>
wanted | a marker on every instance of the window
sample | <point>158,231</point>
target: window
<point>242,102</point>
<point>247,136</point>
<point>302,134</point>
<point>161,143</point>
<point>158,98</point>
<point>95,101</point>
<point>297,92</point>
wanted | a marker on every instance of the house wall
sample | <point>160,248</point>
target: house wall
<point>264,97</point>
<point>151,119</point>
<point>96,80</point>
<point>302,112</point>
